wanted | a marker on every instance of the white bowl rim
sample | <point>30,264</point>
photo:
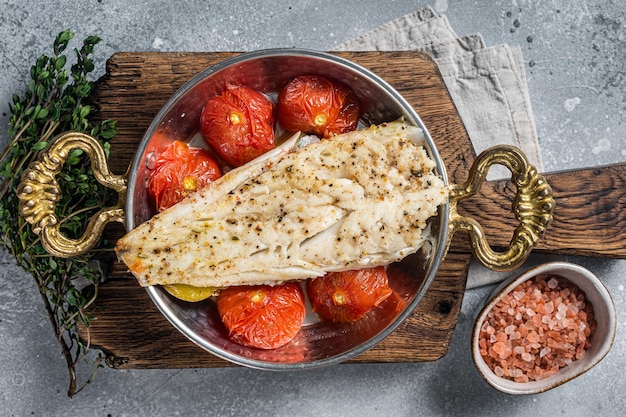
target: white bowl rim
<point>604,312</point>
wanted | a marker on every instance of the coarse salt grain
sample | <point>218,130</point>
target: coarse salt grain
<point>543,326</point>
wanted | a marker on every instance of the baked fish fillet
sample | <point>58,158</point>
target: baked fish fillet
<point>355,200</point>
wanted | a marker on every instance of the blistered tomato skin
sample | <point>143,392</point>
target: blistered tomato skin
<point>179,171</point>
<point>348,296</point>
<point>262,316</point>
<point>317,105</point>
<point>238,124</point>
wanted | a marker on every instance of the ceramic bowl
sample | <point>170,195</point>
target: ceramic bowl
<point>601,339</point>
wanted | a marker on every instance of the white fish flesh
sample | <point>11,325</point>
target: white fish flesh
<point>355,200</point>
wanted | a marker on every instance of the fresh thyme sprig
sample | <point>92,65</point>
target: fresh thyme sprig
<point>57,101</point>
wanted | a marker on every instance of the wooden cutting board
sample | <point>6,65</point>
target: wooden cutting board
<point>588,221</point>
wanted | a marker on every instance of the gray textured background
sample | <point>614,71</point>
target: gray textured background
<point>575,56</point>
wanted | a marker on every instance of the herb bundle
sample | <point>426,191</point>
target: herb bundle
<point>57,101</point>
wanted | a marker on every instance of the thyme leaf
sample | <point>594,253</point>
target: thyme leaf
<point>57,100</point>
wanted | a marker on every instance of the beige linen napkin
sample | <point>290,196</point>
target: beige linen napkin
<point>487,85</point>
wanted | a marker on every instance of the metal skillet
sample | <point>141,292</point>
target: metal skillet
<point>319,343</point>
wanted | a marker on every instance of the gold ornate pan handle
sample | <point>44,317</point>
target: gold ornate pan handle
<point>39,193</point>
<point>533,207</point>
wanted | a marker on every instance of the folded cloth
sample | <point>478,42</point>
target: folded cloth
<point>487,85</point>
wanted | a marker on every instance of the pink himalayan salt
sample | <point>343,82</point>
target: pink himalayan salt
<point>541,326</point>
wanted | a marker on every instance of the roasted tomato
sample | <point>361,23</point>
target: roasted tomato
<point>239,124</point>
<point>262,316</point>
<point>178,171</point>
<point>314,104</point>
<point>348,296</point>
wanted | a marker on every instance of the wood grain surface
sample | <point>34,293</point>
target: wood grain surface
<point>589,219</point>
